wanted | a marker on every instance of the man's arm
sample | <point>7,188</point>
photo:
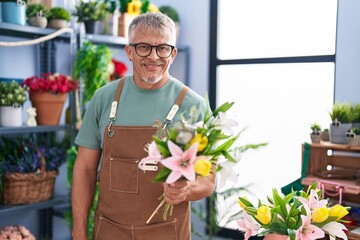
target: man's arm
<point>83,189</point>
<point>181,191</point>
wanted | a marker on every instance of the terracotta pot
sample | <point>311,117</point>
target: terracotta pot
<point>124,22</point>
<point>48,107</point>
<point>38,21</point>
<point>57,23</point>
<point>275,237</point>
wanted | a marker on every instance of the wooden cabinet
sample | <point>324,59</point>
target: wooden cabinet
<point>336,167</point>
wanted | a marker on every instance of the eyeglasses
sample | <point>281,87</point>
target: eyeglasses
<point>144,49</point>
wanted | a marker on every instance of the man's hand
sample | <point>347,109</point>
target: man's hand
<point>177,192</point>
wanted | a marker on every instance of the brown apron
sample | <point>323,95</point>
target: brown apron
<point>128,195</point>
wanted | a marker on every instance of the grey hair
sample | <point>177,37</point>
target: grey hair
<point>152,22</point>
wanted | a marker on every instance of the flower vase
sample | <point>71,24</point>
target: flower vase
<point>123,24</point>
<point>274,236</point>
<point>48,107</point>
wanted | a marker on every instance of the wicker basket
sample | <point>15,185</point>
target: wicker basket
<point>25,188</point>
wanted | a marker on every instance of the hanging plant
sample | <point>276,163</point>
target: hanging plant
<point>92,66</point>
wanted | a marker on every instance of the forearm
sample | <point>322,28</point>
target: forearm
<point>201,188</point>
<point>83,190</point>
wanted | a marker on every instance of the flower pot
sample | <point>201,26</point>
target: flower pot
<point>11,116</point>
<point>275,237</point>
<point>38,21</point>
<point>48,107</point>
<point>58,23</point>
<point>90,26</point>
<point>13,12</point>
<point>325,136</point>
<point>315,138</point>
<point>109,26</point>
<point>124,22</point>
<point>338,133</point>
<point>353,140</point>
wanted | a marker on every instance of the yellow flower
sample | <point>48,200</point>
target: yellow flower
<point>263,214</point>
<point>134,7</point>
<point>338,211</point>
<point>201,140</point>
<point>320,214</point>
<point>152,8</point>
<point>203,167</point>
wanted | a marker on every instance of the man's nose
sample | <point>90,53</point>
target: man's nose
<point>153,53</point>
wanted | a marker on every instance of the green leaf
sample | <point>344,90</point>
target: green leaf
<point>162,175</point>
<point>223,108</point>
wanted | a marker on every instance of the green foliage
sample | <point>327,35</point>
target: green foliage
<point>93,10</point>
<point>12,94</point>
<point>340,112</point>
<point>123,5</point>
<point>32,10</point>
<point>354,130</point>
<point>59,13</point>
<point>354,115</point>
<point>315,127</point>
<point>170,12</point>
<point>91,65</point>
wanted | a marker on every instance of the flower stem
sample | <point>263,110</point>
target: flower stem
<point>156,210</point>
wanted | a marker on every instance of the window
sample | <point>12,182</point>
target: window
<point>277,64</point>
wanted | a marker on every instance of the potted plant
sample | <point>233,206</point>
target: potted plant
<point>48,94</point>
<point>354,116</point>
<point>315,135</point>
<point>36,14</point>
<point>129,9</point>
<point>12,98</point>
<point>353,136</point>
<point>32,162</point>
<point>90,13</point>
<point>325,135</point>
<point>58,17</point>
<point>340,122</point>
<point>13,11</point>
<point>173,14</point>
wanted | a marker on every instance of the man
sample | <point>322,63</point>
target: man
<point>116,128</point>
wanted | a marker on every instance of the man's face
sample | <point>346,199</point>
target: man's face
<point>151,71</point>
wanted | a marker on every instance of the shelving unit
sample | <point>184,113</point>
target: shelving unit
<point>45,55</point>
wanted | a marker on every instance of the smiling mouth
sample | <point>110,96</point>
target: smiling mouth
<point>152,66</point>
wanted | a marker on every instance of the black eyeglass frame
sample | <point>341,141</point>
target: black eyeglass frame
<point>152,46</point>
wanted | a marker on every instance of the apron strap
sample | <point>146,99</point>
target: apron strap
<point>114,104</point>
<point>175,107</point>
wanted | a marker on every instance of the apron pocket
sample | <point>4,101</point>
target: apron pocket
<point>124,175</point>
<point>165,230</point>
<point>109,230</point>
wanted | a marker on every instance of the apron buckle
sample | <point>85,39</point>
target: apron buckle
<point>148,165</point>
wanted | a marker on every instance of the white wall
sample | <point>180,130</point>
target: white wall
<point>347,73</point>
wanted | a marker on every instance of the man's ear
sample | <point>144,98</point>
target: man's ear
<point>173,55</point>
<point>128,50</point>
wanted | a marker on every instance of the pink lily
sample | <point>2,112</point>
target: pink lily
<point>313,201</point>
<point>307,231</point>
<point>181,163</point>
<point>249,226</point>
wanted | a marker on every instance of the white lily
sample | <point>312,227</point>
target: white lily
<point>223,123</point>
<point>227,175</point>
<point>335,229</point>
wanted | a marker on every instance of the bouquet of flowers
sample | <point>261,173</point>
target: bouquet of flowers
<point>191,148</point>
<point>118,69</point>
<point>298,215</point>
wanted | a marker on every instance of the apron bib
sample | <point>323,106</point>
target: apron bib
<point>127,194</point>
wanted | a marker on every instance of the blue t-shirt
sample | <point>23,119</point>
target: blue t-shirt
<point>137,107</point>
